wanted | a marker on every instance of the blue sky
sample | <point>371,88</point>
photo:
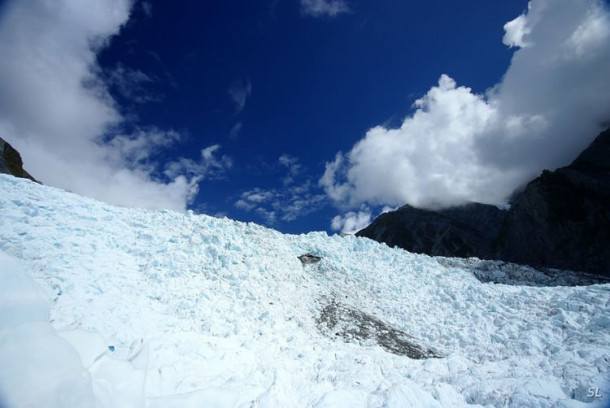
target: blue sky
<point>300,114</point>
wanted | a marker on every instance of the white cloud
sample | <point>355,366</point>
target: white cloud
<point>515,32</point>
<point>351,222</point>
<point>460,146</point>
<point>56,110</point>
<point>259,196</point>
<point>387,208</point>
<point>239,93</point>
<point>318,8</point>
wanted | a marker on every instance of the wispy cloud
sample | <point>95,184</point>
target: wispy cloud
<point>293,166</point>
<point>147,9</point>
<point>461,146</point>
<point>210,165</point>
<point>135,150</point>
<point>297,198</point>
<point>57,110</point>
<point>281,204</point>
<point>131,84</point>
<point>234,133</point>
<point>319,8</point>
<point>239,93</point>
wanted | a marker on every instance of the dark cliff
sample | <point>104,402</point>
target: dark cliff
<point>11,163</point>
<point>562,218</point>
<point>465,231</point>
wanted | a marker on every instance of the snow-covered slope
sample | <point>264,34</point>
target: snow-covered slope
<point>162,309</point>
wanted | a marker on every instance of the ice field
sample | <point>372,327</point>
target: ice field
<point>102,306</point>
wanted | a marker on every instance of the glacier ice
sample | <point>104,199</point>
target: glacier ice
<point>211,312</point>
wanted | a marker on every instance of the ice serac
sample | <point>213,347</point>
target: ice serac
<point>562,218</point>
<point>11,162</point>
<point>465,231</point>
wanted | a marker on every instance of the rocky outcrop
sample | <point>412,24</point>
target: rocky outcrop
<point>11,163</point>
<point>560,220</point>
<point>464,231</point>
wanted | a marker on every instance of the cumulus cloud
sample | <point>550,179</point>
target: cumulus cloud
<point>56,109</point>
<point>515,31</point>
<point>319,8</point>
<point>351,222</point>
<point>460,146</point>
<point>239,93</point>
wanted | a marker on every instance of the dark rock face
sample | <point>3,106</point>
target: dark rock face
<point>464,231</point>
<point>352,325</point>
<point>11,163</point>
<point>562,218</point>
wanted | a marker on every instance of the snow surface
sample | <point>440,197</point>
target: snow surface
<point>102,306</point>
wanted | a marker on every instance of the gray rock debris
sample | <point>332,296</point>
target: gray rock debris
<point>354,326</point>
<point>308,259</point>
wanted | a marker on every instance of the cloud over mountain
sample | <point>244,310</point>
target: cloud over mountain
<point>460,146</point>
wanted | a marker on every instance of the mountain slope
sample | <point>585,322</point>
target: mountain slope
<point>562,218</point>
<point>464,231</point>
<point>178,310</point>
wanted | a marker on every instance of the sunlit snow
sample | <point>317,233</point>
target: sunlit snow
<point>102,306</point>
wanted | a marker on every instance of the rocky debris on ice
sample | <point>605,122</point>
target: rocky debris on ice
<point>308,259</point>
<point>355,326</point>
<point>488,271</point>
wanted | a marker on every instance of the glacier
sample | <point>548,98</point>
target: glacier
<point>103,306</point>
